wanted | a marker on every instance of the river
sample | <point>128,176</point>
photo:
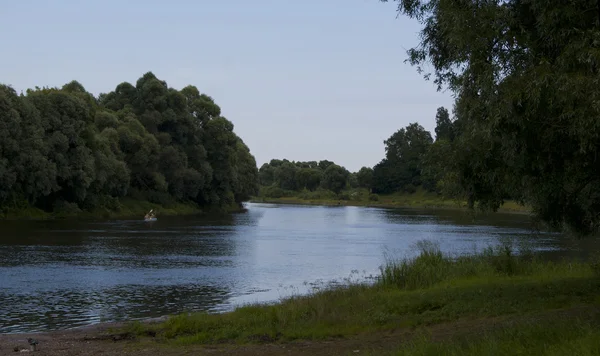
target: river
<point>64,274</point>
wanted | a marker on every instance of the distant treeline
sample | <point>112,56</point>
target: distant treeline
<point>63,148</point>
<point>284,175</point>
<point>410,163</point>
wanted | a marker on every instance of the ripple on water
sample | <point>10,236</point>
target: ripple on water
<point>57,274</point>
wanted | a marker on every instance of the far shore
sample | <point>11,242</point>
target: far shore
<point>391,203</point>
<point>127,209</point>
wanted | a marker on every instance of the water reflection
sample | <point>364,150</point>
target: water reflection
<point>59,274</point>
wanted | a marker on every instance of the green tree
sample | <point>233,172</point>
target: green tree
<point>266,175</point>
<point>286,176</point>
<point>335,178</point>
<point>365,177</point>
<point>444,129</point>
<point>324,164</point>
<point>401,167</point>
<point>525,77</point>
<point>309,178</point>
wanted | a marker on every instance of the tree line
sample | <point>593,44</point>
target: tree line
<point>411,162</point>
<point>63,148</point>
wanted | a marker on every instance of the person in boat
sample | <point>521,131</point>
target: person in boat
<point>150,215</point>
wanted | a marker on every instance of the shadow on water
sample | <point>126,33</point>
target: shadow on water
<point>61,274</point>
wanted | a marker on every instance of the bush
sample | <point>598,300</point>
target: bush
<point>319,194</point>
<point>344,196</point>
<point>65,208</point>
<point>409,188</point>
<point>373,197</point>
<point>276,192</point>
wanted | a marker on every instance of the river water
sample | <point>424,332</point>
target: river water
<point>64,274</point>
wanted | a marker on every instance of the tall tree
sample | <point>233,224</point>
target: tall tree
<point>444,129</point>
<point>335,178</point>
<point>525,76</point>
<point>402,163</point>
<point>365,177</point>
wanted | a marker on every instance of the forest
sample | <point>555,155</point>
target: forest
<point>62,149</point>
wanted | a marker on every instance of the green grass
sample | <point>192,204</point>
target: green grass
<point>554,337</point>
<point>430,289</point>
<point>362,197</point>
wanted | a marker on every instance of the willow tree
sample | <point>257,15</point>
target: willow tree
<point>525,77</point>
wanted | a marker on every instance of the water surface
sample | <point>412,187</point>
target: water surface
<point>63,274</point>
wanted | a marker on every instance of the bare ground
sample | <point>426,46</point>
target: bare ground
<point>102,340</point>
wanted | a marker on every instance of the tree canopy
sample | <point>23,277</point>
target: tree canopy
<point>525,77</point>
<point>62,147</point>
<point>401,166</point>
<point>298,176</point>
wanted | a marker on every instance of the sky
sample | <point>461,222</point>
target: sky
<point>303,80</point>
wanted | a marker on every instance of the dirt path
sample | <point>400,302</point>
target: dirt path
<point>97,340</point>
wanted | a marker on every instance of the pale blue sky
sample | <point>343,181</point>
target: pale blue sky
<point>303,80</point>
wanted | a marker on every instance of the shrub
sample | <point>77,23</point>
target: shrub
<point>410,188</point>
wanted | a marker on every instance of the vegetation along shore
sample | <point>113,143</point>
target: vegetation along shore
<point>362,197</point>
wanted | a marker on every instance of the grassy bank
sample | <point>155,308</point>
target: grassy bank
<point>468,305</point>
<point>362,197</point>
<point>126,208</point>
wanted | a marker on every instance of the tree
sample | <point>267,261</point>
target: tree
<point>309,178</point>
<point>401,166</point>
<point>365,177</point>
<point>525,78</point>
<point>335,178</point>
<point>286,176</point>
<point>443,128</point>
<point>324,164</point>
<point>266,174</point>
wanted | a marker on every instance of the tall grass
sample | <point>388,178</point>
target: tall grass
<point>432,266</point>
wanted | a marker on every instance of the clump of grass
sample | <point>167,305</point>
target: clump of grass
<point>432,266</point>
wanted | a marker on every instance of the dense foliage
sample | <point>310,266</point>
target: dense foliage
<point>401,167</point>
<point>525,75</point>
<point>65,149</point>
<point>284,175</point>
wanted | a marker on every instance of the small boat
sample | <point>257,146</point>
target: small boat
<point>150,216</point>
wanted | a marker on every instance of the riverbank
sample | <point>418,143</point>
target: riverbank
<point>125,209</point>
<point>434,304</point>
<point>418,199</point>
